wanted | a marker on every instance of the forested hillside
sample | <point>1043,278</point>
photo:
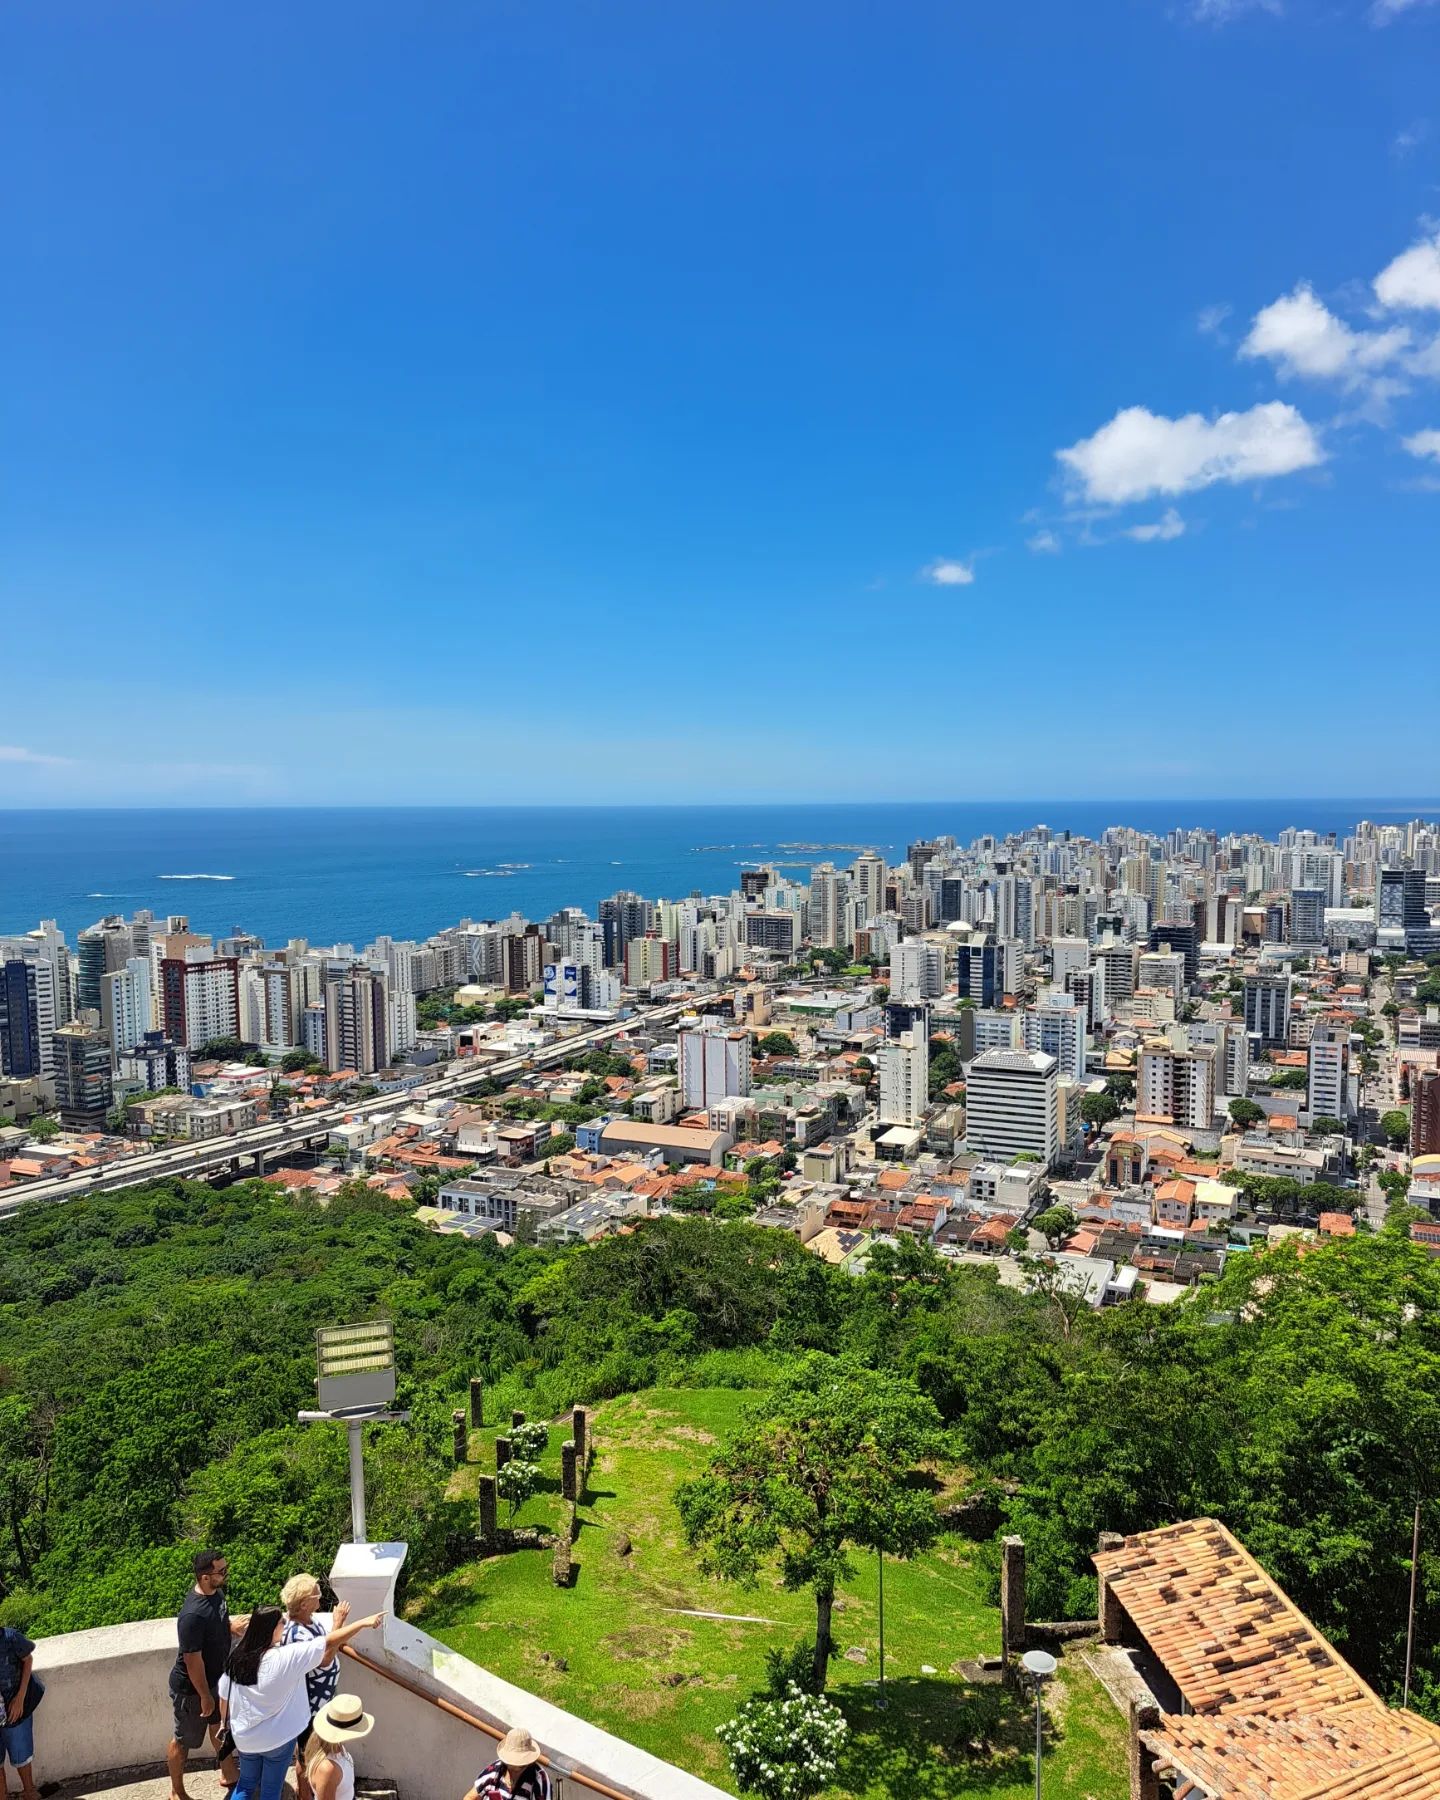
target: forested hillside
<point>156,1345</point>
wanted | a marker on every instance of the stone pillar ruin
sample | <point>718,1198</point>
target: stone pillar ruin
<point>1012,1599</point>
<point>462,1440</point>
<point>568,1484</point>
<point>1112,1614</point>
<point>579,1427</point>
<point>502,1453</point>
<point>1144,1781</point>
<point>477,1402</point>
<point>489,1516</point>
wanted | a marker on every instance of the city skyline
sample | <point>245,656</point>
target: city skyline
<point>543,391</point>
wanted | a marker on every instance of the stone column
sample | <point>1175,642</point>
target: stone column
<point>1012,1598</point>
<point>462,1440</point>
<point>1144,1782</point>
<point>489,1517</point>
<point>516,1418</point>
<point>502,1453</point>
<point>477,1402</point>
<point>568,1485</point>
<point>1112,1614</point>
<point>579,1426</point>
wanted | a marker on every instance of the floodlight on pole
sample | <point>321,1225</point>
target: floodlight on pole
<point>355,1385</point>
<point>1039,1665</point>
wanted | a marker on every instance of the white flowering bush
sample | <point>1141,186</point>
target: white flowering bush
<point>528,1440</point>
<point>516,1482</point>
<point>785,1749</point>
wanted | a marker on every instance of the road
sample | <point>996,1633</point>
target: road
<point>268,1141</point>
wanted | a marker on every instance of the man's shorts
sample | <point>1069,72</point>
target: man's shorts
<point>17,1742</point>
<point>190,1723</point>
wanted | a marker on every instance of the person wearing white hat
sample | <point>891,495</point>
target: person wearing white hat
<point>518,1772</point>
<point>328,1766</point>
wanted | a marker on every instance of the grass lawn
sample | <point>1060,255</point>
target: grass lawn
<point>637,1665</point>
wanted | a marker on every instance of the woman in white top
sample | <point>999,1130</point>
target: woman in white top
<point>263,1698</point>
<point>328,1768</point>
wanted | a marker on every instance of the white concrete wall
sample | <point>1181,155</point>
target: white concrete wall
<point>107,1706</point>
<point>107,1699</point>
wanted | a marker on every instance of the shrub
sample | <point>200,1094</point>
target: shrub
<point>785,1749</point>
<point>529,1440</point>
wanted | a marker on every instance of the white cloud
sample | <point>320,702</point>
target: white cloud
<point>1140,453</point>
<point>1210,320</point>
<point>1383,11</point>
<point>1423,443</point>
<point>945,572</point>
<point>1301,336</point>
<point>16,753</point>
<point>1410,139</point>
<point>1413,279</point>
<point>1217,12</point>
<point>1169,525</point>
<point>1044,543</point>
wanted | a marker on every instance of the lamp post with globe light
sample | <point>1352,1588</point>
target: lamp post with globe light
<point>1039,1665</point>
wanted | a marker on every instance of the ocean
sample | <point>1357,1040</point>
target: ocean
<point>342,874</point>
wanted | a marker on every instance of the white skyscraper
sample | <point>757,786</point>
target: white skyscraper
<point>127,1004</point>
<point>917,970</point>
<point>1057,1026</point>
<point>714,1065</point>
<point>904,1064</point>
<point>1012,1105</point>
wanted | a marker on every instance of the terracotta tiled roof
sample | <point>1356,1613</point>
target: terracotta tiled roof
<point>1276,1713</point>
<point>1230,1638</point>
<point>1358,1751</point>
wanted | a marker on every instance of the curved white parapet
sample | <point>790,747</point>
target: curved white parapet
<point>107,1707</point>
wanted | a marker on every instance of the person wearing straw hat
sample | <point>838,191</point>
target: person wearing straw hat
<point>517,1772</point>
<point>329,1769</point>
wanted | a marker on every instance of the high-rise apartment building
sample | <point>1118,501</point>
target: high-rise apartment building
<point>904,1066</point>
<point>155,1063</point>
<point>357,1020</point>
<point>83,1090</point>
<point>917,970</point>
<point>199,997</point>
<point>1176,1086</point>
<point>1307,917</point>
<point>127,1004</point>
<point>28,1020</point>
<point>1328,1079</point>
<point>1425,1113</point>
<point>622,917</point>
<point>867,884</point>
<point>1057,1026</point>
<point>980,971</point>
<point>1012,1105</point>
<point>650,959</point>
<point>714,1064</point>
<point>1267,1009</point>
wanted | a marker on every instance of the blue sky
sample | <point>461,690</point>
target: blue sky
<point>523,400</point>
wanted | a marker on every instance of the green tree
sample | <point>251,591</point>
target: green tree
<point>777,1043</point>
<point>1327,1125</point>
<point>1245,1113</point>
<point>44,1128</point>
<point>821,1465</point>
<point>1395,1124</point>
<point>1099,1109</point>
<point>1055,1224</point>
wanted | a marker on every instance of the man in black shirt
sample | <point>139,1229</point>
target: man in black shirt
<point>205,1630</point>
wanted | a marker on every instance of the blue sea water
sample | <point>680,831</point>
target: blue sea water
<point>342,875</point>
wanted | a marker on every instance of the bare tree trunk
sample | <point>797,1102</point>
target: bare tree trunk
<point>824,1602</point>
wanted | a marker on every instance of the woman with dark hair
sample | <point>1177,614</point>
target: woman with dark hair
<point>263,1699</point>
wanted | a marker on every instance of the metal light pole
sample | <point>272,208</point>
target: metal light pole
<point>356,1384</point>
<point>881,1701</point>
<point>1039,1665</point>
